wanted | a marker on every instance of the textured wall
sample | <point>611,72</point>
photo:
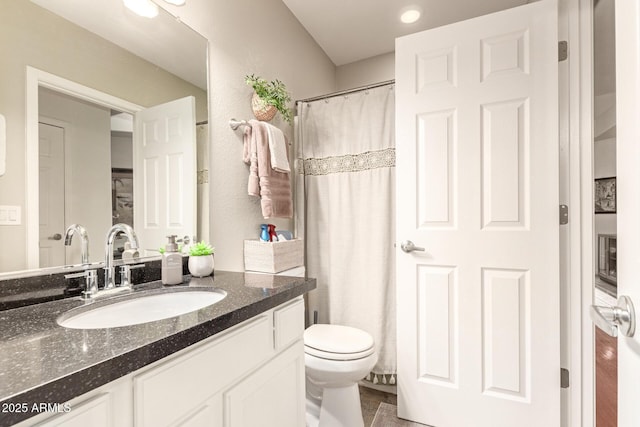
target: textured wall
<point>367,71</point>
<point>248,36</point>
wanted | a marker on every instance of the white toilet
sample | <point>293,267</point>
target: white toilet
<point>336,358</point>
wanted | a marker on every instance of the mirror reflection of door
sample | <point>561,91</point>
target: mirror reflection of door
<point>605,223</point>
<point>81,144</point>
<point>164,172</point>
<point>51,155</point>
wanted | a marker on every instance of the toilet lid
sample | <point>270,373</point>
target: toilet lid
<point>337,342</point>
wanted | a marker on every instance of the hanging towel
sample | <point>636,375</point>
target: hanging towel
<point>250,157</point>
<point>273,187</point>
<point>278,149</point>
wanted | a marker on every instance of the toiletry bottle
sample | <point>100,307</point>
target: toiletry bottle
<point>129,254</point>
<point>264,234</point>
<point>171,263</point>
<point>272,233</point>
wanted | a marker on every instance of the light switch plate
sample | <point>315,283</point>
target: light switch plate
<point>10,215</point>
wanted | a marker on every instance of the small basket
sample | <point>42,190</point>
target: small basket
<point>261,109</point>
<point>273,257</point>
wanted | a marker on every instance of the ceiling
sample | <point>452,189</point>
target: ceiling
<point>351,30</point>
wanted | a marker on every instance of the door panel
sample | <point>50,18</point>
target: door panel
<point>477,141</point>
<point>627,16</point>
<point>165,172</point>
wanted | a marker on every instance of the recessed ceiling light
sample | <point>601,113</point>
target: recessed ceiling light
<point>176,2</point>
<point>410,14</point>
<point>145,8</point>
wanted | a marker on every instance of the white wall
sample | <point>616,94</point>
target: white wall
<point>367,71</point>
<point>122,150</point>
<point>248,36</point>
<point>87,145</point>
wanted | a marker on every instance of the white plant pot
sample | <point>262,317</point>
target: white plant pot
<point>201,266</point>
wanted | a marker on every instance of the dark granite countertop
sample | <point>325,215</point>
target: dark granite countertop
<point>42,362</point>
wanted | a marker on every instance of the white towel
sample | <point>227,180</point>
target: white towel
<point>278,149</point>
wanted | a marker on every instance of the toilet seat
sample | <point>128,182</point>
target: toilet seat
<point>337,342</point>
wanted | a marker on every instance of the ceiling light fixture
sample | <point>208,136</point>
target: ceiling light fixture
<point>176,2</point>
<point>145,8</point>
<point>410,14</point>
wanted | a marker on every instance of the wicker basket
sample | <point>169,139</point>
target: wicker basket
<point>261,109</point>
<point>273,257</point>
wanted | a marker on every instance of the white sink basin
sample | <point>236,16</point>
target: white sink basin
<point>141,309</point>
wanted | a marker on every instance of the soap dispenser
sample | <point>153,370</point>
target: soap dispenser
<point>171,263</point>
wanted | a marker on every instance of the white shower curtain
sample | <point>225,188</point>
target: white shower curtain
<point>345,207</point>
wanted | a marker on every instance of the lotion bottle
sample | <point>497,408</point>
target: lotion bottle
<point>171,263</point>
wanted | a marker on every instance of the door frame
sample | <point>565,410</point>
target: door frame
<point>33,80</point>
<point>576,26</point>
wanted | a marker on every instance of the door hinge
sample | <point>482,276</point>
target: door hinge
<point>564,214</point>
<point>564,378</point>
<point>563,51</point>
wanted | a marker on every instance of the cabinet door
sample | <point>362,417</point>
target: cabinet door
<point>177,389</point>
<point>288,323</point>
<point>204,416</point>
<point>95,412</point>
<point>273,396</point>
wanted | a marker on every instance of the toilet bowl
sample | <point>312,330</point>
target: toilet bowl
<point>336,358</point>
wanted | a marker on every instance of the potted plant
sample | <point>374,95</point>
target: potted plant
<point>269,98</point>
<point>200,259</point>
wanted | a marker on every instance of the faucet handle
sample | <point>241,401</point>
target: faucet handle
<point>75,275</point>
<point>90,282</point>
<point>125,274</point>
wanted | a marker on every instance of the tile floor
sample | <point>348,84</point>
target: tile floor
<point>370,401</point>
<point>385,406</point>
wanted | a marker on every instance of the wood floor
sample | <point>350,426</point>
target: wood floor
<point>606,380</point>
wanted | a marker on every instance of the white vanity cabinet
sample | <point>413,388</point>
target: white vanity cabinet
<point>271,396</point>
<point>108,406</point>
<point>250,375</point>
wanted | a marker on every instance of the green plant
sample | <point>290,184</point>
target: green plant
<point>200,249</point>
<point>272,93</point>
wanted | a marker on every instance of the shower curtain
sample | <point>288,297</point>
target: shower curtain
<point>345,207</point>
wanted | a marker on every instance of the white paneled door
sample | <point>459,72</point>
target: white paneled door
<point>477,161</point>
<point>628,201</point>
<point>164,172</point>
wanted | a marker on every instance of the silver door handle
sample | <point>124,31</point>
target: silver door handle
<point>408,246</point>
<point>56,236</point>
<point>622,317</point>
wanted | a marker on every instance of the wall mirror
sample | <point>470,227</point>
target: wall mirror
<point>85,72</point>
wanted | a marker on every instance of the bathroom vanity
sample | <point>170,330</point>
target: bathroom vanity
<point>239,362</point>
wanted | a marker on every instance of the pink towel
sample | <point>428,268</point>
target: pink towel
<point>273,188</point>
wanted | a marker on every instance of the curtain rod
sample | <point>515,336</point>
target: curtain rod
<point>348,91</point>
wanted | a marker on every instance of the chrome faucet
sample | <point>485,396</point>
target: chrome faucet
<point>84,236</point>
<point>109,269</point>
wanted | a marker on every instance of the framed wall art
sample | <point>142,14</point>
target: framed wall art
<point>605,195</point>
